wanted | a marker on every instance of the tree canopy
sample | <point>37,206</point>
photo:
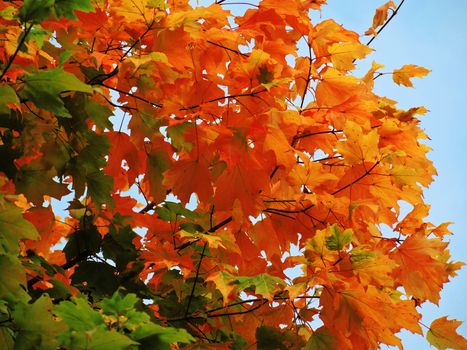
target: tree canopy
<point>229,182</point>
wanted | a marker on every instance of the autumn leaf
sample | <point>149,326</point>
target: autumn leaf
<point>180,175</point>
<point>380,17</point>
<point>225,283</point>
<point>343,55</point>
<point>265,285</point>
<point>188,176</point>
<point>407,72</point>
<point>420,271</point>
<point>443,335</point>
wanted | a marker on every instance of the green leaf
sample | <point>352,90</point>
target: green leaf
<point>7,95</point>
<point>82,243</point>
<point>269,338</point>
<point>320,340</point>
<point>86,170</point>
<point>35,11</point>
<point>32,174</point>
<point>265,76</point>
<point>99,114</point>
<point>39,36</point>
<point>99,277</point>
<point>43,88</point>
<point>6,338</point>
<point>265,285</point>
<point>67,8</point>
<point>36,326</point>
<point>154,337</point>
<point>13,276</point>
<point>125,306</point>
<point>338,239</point>
<point>176,134</point>
<point>13,228</point>
<point>158,162</point>
<point>109,340</point>
<point>171,211</point>
<point>118,305</point>
<point>78,315</point>
<point>118,246</point>
<point>8,13</point>
<point>100,187</point>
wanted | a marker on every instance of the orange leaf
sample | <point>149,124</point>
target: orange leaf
<point>421,273</point>
<point>407,72</point>
<point>381,15</point>
<point>443,335</point>
<point>189,176</point>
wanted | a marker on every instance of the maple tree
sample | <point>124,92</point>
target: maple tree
<point>251,149</point>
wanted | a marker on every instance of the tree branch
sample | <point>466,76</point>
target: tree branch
<point>12,57</point>
<point>307,83</point>
<point>249,94</point>
<point>228,49</point>
<point>385,23</point>
<point>356,180</point>
<point>196,280</point>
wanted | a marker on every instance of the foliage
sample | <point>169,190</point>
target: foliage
<point>251,149</point>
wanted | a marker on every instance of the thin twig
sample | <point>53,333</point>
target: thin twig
<point>385,23</point>
<point>196,280</point>
<point>12,57</point>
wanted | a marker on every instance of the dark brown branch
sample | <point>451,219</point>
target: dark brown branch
<point>130,94</point>
<point>137,41</point>
<point>385,23</point>
<point>302,136</point>
<point>228,49</point>
<point>212,313</point>
<point>285,211</point>
<point>196,280</point>
<point>211,230</point>
<point>220,224</point>
<point>308,78</point>
<point>120,106</point>
<point>357,179</point>
<point>265,301</point>
<point>100,78</point>
<point>249,94</point>
<point>12,57</point>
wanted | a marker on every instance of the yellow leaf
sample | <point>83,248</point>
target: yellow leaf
<point>407,72</point>
<point>359,147</point>
<point>224,282</point>
<point>132,10</point>
<point>344,54</point>
<point>369,77</point>
<point>336,88</point>
<point>381,15</point>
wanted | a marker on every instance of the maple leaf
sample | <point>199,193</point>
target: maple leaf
<point>265,285</point>
<point>443,335</point>
<point>291,162</point>
<point>44,88</point>
<point>420,271</point>
<point>188,176</point>
<point>336,88</point>
<point>225,283</point>
<point>406,72</point>
<point>344,54</point>
<point>380,17</point>
<point>359,147</point>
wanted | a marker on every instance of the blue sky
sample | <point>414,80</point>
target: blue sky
<point>431,34</point>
